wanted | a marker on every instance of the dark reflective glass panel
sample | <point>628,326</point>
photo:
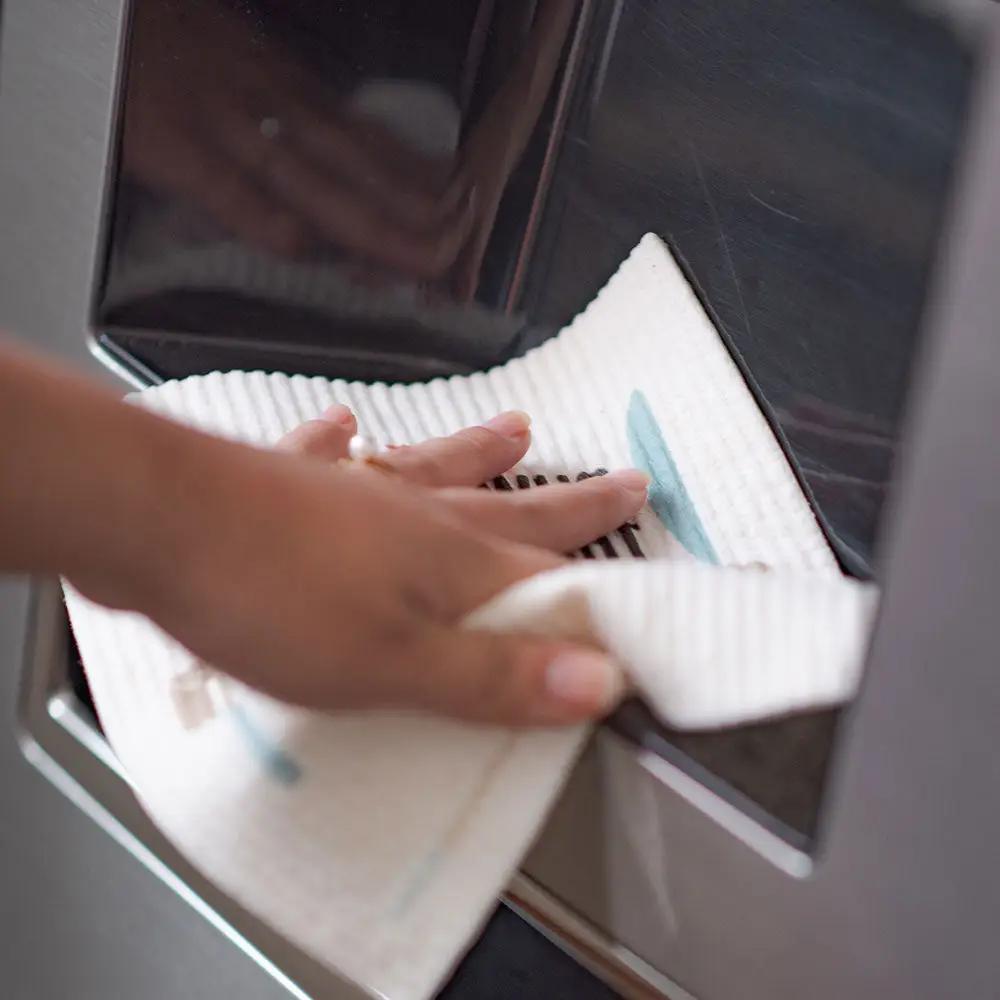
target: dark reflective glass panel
<point>386,189</point>
<point>395,190</point>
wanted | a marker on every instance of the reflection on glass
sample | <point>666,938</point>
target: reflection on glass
<point>382,189</point>
<point>395,190</point>
<point>379,136</point>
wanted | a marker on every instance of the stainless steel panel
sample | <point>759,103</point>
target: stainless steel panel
<point>900,899</point>
<point>129,935</point>
<point>78,916</point>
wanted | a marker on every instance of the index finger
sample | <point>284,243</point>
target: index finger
<point>559,517</point>
<point>468,458</point>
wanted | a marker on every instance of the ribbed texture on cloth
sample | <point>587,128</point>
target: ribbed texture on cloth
<point>386,850</point>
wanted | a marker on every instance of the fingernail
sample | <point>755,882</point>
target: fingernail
<point>513,424</point>
<point>587,679</point>
<point>340,414</point>
<point>633,480</point>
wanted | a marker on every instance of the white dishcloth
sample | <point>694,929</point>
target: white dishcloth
<point>378,843</point>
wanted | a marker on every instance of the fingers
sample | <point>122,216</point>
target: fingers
<point>514,680</point>
<point>558,517</point>
<point>327,438</point>
<point>468,458</point>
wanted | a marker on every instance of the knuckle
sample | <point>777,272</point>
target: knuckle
<point>510,685</point>
<point>478,442</point>
<point>416,462</point>
<point>494,689</point>
<point>310,438</point>
<point>606,497</point>
<point>543,511</point>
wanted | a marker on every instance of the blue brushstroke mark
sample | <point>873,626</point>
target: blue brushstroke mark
<point>418,881</point>
<point>667,494</point>
<point>276,762</point>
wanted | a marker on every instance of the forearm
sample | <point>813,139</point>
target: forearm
<point>93,489</point>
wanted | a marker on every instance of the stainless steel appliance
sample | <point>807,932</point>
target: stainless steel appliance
<point>800,160</point>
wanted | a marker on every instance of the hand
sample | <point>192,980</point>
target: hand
<point>328,586</point>
<point>343,588</point>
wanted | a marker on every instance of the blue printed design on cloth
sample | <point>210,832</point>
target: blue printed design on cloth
<point>668,495</point>
<point>275,761</point>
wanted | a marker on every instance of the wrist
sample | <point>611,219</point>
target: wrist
<point>135,548</point>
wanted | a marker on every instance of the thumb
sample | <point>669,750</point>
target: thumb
<point>516,680</point>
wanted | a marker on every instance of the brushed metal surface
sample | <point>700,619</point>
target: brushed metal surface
<point>902,897</point>
<point>78,916</point>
